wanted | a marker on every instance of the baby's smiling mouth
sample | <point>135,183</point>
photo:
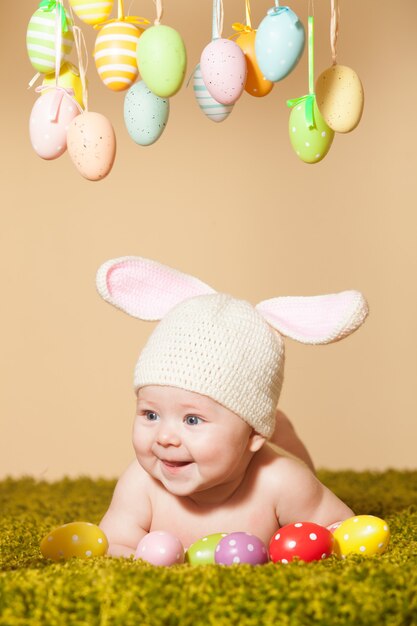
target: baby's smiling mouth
<point>175,463</point>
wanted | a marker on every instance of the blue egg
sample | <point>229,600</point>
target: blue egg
<point>145,114</point>
<point>279,43</point>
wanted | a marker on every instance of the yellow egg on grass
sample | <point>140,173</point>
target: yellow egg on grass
<point>76,539</point>
<point>361,534</point>
<point>340,98</point>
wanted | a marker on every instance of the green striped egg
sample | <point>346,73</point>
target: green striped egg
<point>40,40</point>
<point>215,111</point>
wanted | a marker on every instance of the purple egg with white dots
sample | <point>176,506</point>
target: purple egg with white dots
<point>241,547</point>
<point>160,548</point>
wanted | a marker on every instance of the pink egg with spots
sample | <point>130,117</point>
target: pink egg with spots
<point>239,548</point>
<point>160,548</point>
<point>223,68</point>
<point>51,115</point>
<point>303,540</point>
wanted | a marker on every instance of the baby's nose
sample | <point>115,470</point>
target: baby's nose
<point>168,436</point>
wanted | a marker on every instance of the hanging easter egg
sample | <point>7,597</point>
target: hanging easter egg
<point>310,136</point>
<point>69,78</point>
<point>279,43</point>
<point>41,37</point>
<point>223,68</point>
<point>362,534</point>
<point>340,98</point>
<point>115,54</point>
<point>145,114</point>
<point>240,547</point>
<point>50,118</point>
<point>160,548</point>
<point>162,60</point>
<point>77,539</point>
<point>303,540</point>
<point>92,145</point>
<point>256,83</point>
<point>92,11</point>
<point>213,110</point>
<point>202,551</point>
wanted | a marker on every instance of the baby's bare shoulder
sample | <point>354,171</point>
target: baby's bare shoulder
<point>282,471</point>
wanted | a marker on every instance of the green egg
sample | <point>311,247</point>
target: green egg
<point>310,144</point>
<point>162,60</point>
<point>202,551</point>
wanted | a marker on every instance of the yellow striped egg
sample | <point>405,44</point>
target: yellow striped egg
<point>41,38</point>
<point>79,539</point>
<point>69,78</point>
<point>115,54</point>
<point>92,11</point>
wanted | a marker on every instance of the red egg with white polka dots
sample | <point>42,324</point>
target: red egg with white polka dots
<point>304,540</point>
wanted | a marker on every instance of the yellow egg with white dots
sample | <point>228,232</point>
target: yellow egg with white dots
<point>361,534</point>
<point>79,539</point>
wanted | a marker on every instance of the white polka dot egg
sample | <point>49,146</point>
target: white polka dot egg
<point>76,539</point>
<point>160,548</point>
<point>362,534</point>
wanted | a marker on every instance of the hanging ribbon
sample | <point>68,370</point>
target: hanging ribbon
<point>51,5</point>
<point>276,10</point>
<point>130,19</point>
<point>218,15</point>
<point>56,102</point>
<point>159,11</point>
<point>310,98</point>
<point>334,27</point>
<point>82,56</point>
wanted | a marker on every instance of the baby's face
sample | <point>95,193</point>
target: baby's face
<point>189,442</point>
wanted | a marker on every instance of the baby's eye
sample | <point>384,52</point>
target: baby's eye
<point>151,416</point>
<point>193,420</point>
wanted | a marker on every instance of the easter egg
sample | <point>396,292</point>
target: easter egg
<point>310,144</point>
<point>69,78</point>
<point>115,54</point>
<point>304,540</point>
<point>256,83</point>
<point>162,60</point>
<point>41,40</point>
<point>80,539</point>
<point>50,118</point>
<point>223,68</point>
<point>241,547</point>
<point>145,114</point>
<point>213,110</point>
<point>202,551</point>
<point>92,11</point>
<point>340,98</point>
<point>362,534</point>
<point>160,548</point>
<point>92,145</point>
<point>279,43</point>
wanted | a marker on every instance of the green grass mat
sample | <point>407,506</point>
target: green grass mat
<point>104,591</point>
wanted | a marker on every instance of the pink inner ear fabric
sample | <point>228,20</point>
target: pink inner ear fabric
<point>316,319</point>
<point>148,290</point>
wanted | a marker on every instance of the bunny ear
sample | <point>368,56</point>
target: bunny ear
<point>317,319</point>
<point>144,288</point>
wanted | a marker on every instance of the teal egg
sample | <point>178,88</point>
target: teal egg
<point>310,144</point>
<point>41,37</point>
<point>145,114</point>
<point>162,60</point>
<point>202,551</point>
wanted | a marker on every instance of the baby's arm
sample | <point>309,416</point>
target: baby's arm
<point>286,438</point>
<point>128,517</point>
<point>302,497</point>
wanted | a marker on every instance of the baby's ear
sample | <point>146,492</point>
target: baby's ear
<point>146,289</point>
<point>316,319</point>
<point>256,441</point>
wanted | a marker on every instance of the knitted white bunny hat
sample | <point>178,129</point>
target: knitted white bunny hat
<point>216,345</point>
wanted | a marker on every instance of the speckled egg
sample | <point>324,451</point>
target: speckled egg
<point>160,548</point>
<point>310,144</point>
<point>223,68</point>
<point>306,541</point>
<point>145,114</point>
<point>241,547</point>
<point>162,60</point>
<point>92,145</point>
<point>115,54</point>
<point>40,40</point>
<point>361,534</point>
<point>340,98</point>
<point>79,539</point>
<point>202,551</point>
<point>213,110</point>
<point>256,83</point>
<point>69,78</point>
<point>92,11</point>
<point>49,120</point>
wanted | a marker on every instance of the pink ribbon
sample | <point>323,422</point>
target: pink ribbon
<point>60,92</point>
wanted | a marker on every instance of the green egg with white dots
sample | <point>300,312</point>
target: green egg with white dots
<point>311,144</point>
<point>202,551</point>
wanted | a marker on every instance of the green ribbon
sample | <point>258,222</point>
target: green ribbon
<point>51,5</point>
<point>309,100</point>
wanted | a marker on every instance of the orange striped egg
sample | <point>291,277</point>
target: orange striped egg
<point>115,54</point>
<point>92,11</point>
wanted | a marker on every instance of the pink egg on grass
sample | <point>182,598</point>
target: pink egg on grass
<point>160,548</point>
<point>241,547</point>
<point>304,540</point>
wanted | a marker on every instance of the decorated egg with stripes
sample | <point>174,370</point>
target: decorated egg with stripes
<point>213,110</point>
<point>41,39</point>
<point>115,54</point>
<point>69,78</point>
<point>256,83</point>
<point>92,11</point>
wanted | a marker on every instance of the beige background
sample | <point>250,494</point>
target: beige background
<point>232,204</point>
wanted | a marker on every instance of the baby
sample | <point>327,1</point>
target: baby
<point>208,382</point>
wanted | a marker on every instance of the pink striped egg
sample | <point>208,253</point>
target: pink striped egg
<point>115,54</point>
